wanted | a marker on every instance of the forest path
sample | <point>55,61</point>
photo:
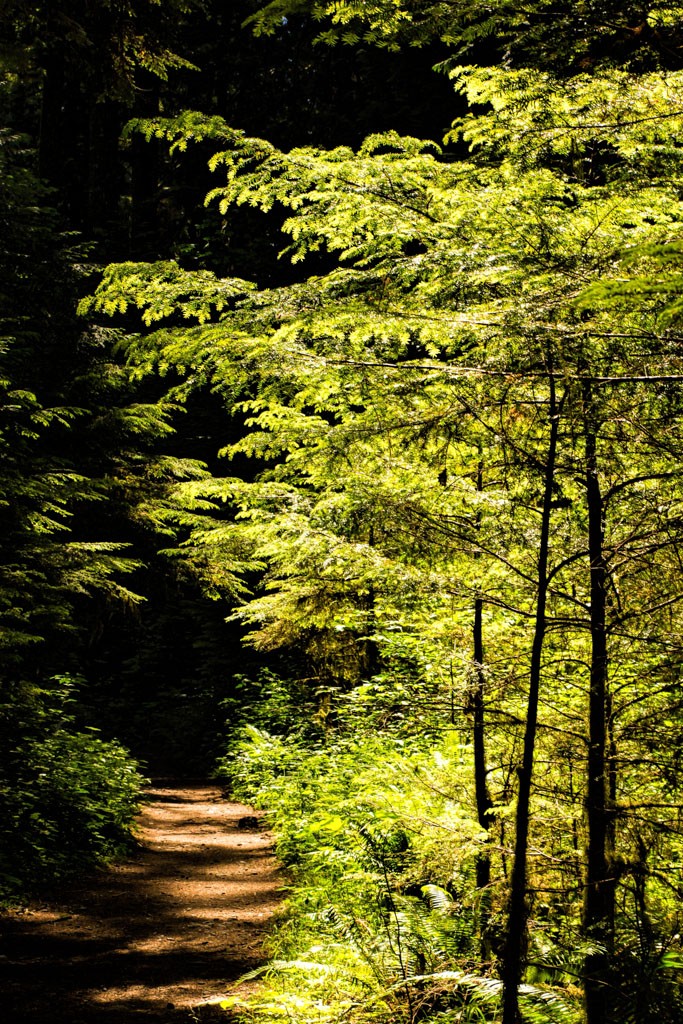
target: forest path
<point>153,938</point>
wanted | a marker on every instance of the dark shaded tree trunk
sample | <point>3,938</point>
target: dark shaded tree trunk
<point>481,787</point>
<point>369,659</point>
<point>369,662</point>
<point>483,797</point>
<point>598,911</point>
<point>150,229</point>
<point>513,959</point>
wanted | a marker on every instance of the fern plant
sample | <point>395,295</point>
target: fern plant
<point>361,939</point>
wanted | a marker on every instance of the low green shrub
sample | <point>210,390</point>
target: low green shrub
<point>67,797</point>
<point>383,917</point>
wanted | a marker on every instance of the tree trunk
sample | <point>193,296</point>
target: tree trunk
<point>369,658</point>
<point>598,912</point>
<point>483,798</point>
<point>481,788</point>
<point>513,960</point>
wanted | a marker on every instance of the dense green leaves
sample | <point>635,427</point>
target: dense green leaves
<point>67,797</point>
<point>400,405</point>
<point>453,502</point>
<point>546,32</point>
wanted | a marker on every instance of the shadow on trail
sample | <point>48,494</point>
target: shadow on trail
<point>153,938</point>
<point>90,990</point>
<point>162,791</point>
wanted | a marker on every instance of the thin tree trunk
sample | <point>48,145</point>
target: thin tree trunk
<point>598,912</point>
<point>513,960</point>
<point>369,660</point>
<point>481,788</point>
<point>483,797</point>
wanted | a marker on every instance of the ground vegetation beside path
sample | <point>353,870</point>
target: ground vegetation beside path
<point>159,938</point>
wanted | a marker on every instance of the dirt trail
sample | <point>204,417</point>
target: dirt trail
<point>157,938</point>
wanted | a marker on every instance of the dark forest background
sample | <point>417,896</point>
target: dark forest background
<point>75,197</point>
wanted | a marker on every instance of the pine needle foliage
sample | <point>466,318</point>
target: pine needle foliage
<point>399,407</point>
<point>548,33</point>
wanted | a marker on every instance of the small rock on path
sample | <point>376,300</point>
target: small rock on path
<point>156,939</point>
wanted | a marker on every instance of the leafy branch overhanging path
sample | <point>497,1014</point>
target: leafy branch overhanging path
<point>159,938</point>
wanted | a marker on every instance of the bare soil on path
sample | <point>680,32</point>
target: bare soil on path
<point>159,938</point>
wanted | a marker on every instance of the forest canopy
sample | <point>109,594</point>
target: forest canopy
<point>404,504</point>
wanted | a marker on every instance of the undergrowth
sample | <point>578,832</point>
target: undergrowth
<point>383,920</point>
<point>67,797</point>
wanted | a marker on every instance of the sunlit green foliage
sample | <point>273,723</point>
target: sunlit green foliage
<point>399,406</point>
<point>382,912</point>
<point>554,34</point>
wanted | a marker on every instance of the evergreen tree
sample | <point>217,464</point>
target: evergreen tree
<point>462,296</point>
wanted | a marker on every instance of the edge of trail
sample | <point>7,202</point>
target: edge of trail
<point>158,938</point>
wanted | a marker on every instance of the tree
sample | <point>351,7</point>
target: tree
<point>546,34</point>
<point>464,297</point>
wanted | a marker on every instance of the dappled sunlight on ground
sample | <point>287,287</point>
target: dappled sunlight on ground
<point>151,938</point>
